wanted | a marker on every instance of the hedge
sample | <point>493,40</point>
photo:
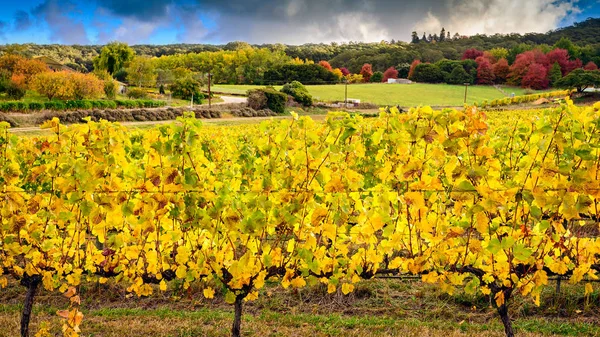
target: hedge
<point>18,106</point>
<point>522,99</point>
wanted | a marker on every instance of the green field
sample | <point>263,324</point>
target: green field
<point>395,94</point>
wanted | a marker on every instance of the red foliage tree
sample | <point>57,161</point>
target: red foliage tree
<point>472,54</point>
<point>590,66</point>
<point>366,72</point>
<point>560,56</point>
<point>573,64</point>
<point>391,72</point>
<point>345,71</point>
<point>485,74</point>
<point>411,70</point>
<point>325,65</point>
<point>491,58</point>
<point>536,77</point>
<point>501,70</point>
<point>519,68</point>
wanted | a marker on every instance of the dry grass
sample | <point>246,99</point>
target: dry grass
<point>377,308</point>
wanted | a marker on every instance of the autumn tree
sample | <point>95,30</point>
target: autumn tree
<point>141,72</point>
<point>536,77</point>
<point>54,85</point>
<point>325,65</point>
<point>366,72</point>
<point>345,71</point>
<point>86,86</point>
<point>501,70</point>
<point>114,56</point>
<point>411,70</point>
<point>590,66</point>
<point>499,53</point>
<point>561,57</point>
<point>391,72</point>
<point>472,54</point>
<point>485,74</point>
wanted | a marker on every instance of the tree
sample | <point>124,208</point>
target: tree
<point>485,74</point>
<point>560,56</point>
<point>110,88</point>
<point>501,70</point>
<point>113,57</point>
<point>164,77</point>
<point>141,72</point>
<point>414,38</point>
<point>566,44</point>
<point>86,86</point>
<point>186,88</point>
<point>28,68</point>
<point>536,77</point>
<point>471,54</point>
<point>366,71</point>
<point>391,72</point>
<point>54,85</point>
<point>377,77</point>
<point>459,76</point>
<point>424,38</point>
<point>427,73</point>
<point>499,53</point>
<point>590,66</point>
<point>345,71</point>
<point>573,64</point>
<point>338,73</point>
<point>580,79</point>
<point>411,71</point>
<point>68,85</point>
<point>325,65</point>
<point>555,74</point>
<point>442,35</point>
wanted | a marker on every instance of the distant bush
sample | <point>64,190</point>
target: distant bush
<point>110,89</point>
<point>137,93</point>
<point>299,92</point>
<point>377,77</point>
<point>186,88</point>
<point>267,98</point>
<point>14,91</point>
<point>257,99</point>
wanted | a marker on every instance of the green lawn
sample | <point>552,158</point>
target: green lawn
<point>395,94</point>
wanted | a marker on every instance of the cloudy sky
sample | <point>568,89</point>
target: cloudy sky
<point>271,21</point>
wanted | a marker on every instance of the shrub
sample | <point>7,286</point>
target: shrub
<point>459,76</point>
<point>36,106</point>
<point>137,93</point>
<point>22,106</point>
<point>377,77</point>
<point>427,73</point>
<point>14,91</point>
<point>298,91</point>
<point>110,89</point>
<point>54,105</point>
<point>257,99</point>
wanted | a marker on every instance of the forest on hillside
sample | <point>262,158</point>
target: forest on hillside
<point>381,55</point>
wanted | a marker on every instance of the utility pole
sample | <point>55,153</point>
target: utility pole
<point>346,93</point>
<point>466,86</point>
<point>209,94</point>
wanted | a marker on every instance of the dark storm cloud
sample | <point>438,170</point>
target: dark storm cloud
<point>22,20</point>
<point>142,10</point>
<point>59,17</point>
